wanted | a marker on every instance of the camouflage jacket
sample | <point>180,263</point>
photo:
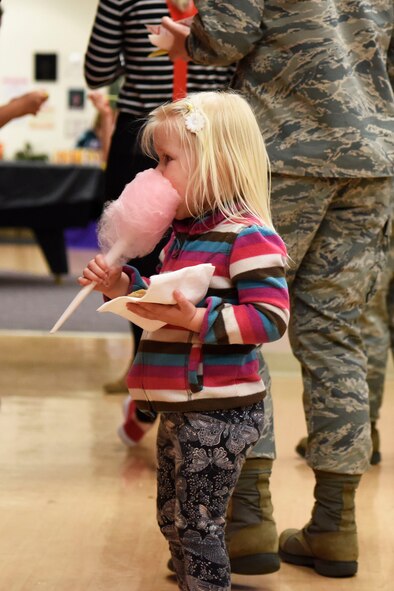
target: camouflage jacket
<point>317,73</point>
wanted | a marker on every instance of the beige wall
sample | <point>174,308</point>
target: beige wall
<point>44,26</point>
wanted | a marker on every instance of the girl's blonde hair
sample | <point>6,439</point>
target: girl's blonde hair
<point>225,152</point>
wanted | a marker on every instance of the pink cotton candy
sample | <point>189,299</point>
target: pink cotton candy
<point>140,216</point>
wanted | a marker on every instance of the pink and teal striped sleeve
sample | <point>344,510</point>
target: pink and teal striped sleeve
<point>257,271</point>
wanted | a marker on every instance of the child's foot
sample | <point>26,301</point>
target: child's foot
<point>135,425</point>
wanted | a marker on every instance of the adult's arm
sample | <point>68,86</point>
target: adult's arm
<point>221,33</point>
<point>27,104</point>
<point>102,58</point>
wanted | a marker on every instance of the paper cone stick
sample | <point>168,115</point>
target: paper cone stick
<point>113,254</point>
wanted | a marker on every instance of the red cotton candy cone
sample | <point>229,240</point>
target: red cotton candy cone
<point>140,216</point>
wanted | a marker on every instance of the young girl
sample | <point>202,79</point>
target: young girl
<point>200,371</point>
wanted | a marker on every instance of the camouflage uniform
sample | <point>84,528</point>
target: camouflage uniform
<point>336,231</point>
<point>377,327</point>
<point>316,75</point>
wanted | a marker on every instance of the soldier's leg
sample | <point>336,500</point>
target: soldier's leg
<point>331,284</point>
<point>390,300</point>
<point>375,331</point>
<point>265,447</point>
<point>251,534</point>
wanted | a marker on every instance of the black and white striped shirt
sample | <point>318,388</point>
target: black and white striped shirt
<point>119,33</point>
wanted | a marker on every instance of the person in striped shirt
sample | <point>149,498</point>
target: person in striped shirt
<point>201,369</point>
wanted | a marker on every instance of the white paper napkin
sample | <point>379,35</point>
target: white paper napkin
<point>193,282</point>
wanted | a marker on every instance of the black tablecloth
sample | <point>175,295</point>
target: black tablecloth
<point>49,198</point>
<point>48,195</point>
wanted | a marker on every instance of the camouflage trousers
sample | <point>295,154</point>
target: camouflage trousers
<point>377,328</point>
<point>337,235</point>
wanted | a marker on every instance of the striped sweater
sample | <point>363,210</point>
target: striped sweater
<point>119,33</point>
<point>246,305</point>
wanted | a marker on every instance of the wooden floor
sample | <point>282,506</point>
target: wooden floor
<point>77,509</point>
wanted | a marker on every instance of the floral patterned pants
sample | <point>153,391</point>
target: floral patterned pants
<point>200,456</point>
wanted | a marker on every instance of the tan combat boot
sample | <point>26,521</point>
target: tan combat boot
<point>251,535</point>
<point>328,543</point>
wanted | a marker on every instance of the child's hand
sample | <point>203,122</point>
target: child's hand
<point>100,101</point>
<point>107,278</point>
<point>183,313</point>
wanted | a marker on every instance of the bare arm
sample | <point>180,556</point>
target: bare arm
<point>107,123</point>
<point>27,104</point>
